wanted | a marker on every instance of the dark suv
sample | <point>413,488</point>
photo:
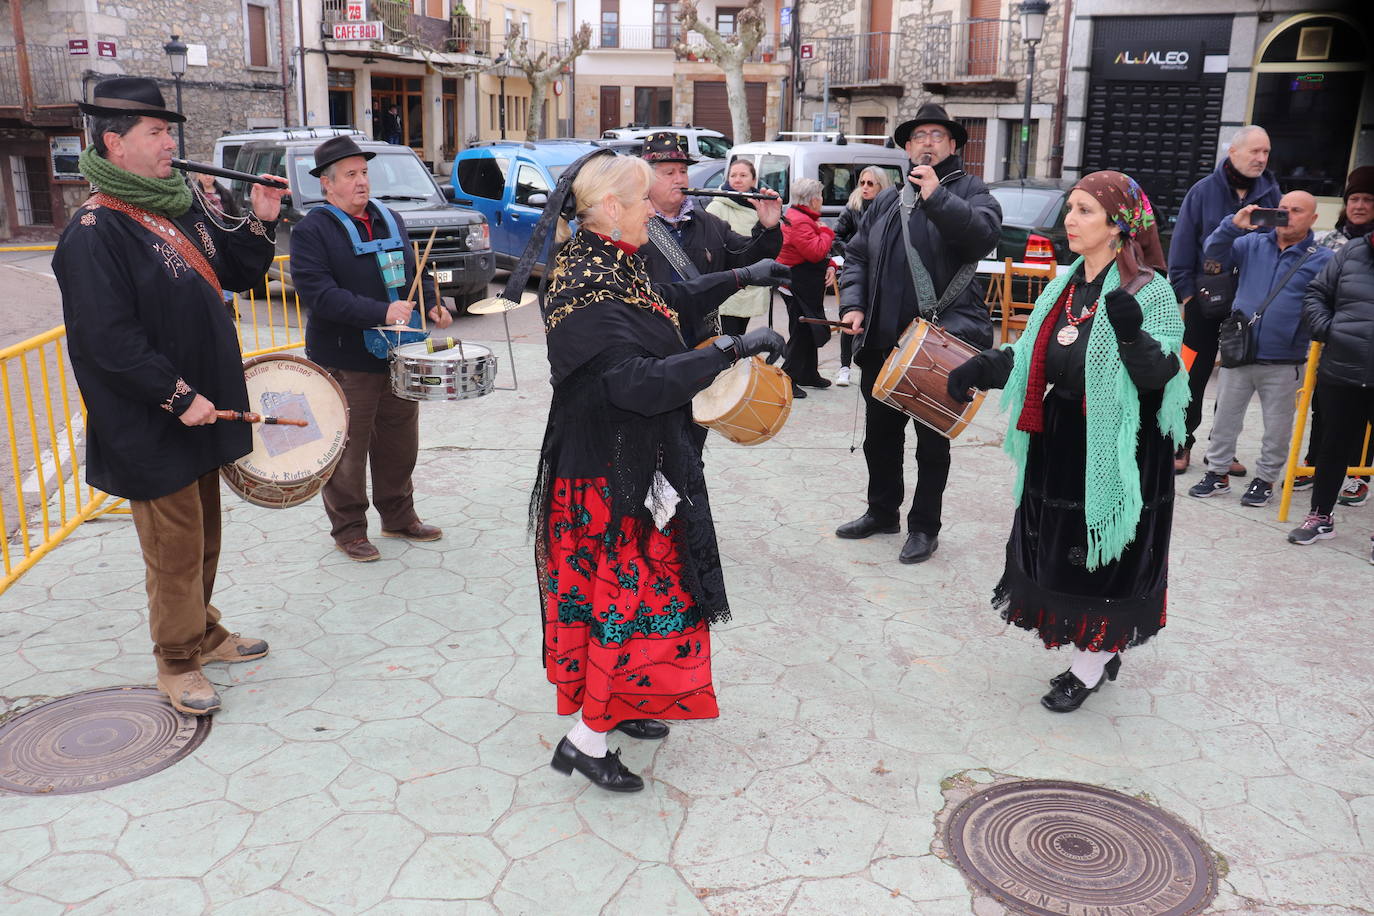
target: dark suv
<point>461,258</point>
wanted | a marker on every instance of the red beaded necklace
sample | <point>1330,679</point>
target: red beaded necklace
<point>1069,333</point>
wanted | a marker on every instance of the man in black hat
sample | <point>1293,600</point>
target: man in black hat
<point>687,241</point>
<point>142,269</point>
<point>351,260</point>
<point>893,274</point>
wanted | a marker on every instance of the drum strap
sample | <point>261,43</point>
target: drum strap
<point>666,242</point>
<point>926,301</point>
<point>165,230</point>
<point>374,341</point>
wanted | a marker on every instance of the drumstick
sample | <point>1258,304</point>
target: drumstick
<point>827,323</point>
<point>249,417</point>
<point>420,272</point>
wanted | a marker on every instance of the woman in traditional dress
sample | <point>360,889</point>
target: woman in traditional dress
<point>748,303</point>
<point>872,181</point>
<point>628,567</point>
<point>1096,413</point>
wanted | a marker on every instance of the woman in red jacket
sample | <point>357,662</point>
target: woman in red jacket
<point>806,245</point>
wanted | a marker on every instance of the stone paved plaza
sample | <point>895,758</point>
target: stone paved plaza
<point>391,755</point>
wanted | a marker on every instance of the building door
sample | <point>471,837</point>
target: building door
<point>983,37</point>
<point>870,126</point>
<point>32,190</point>
<point>710,108</point>
<point>404,93</point>
<point>878,42</point>
<point>610,108</point>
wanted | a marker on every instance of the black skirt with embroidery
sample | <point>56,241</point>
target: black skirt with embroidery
<point>1047,586</point>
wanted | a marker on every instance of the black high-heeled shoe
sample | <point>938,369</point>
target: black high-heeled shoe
<point>607,772</point>
<point>1110,671</point>
<point>1069,693</point>
<point>645,729</point>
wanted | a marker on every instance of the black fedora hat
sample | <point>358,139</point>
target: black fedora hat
<point>334,149</point>
<point>930,113</point>
<point>666,146</point>
<point>129,95</point>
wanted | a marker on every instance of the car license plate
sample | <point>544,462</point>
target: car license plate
<point>443,276</point>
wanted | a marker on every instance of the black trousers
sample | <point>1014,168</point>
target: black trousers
<point>1359,456</point>
<point>800,360</point>
<point>1200,334</point>
<point>1345,411</point>
<point>884,451</point>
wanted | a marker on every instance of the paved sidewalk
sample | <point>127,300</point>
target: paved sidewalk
<point>391,754</point>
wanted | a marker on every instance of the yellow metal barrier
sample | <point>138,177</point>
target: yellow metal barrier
<point>1309,384</point>
<point>45,418</point>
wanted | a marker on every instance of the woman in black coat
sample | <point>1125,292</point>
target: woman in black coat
<point>1339,310</point>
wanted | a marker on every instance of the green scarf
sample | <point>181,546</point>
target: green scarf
<point>1112,500</point>
<point>164,196</point>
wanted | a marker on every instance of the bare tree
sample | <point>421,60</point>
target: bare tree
<point>729,52</point>
<point>541,68</point>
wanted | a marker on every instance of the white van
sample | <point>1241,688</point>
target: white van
<point>702,142</point>
<point>835,164</point>
<point>227,147</point>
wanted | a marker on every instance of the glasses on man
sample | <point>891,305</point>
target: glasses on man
<point>934,136</point>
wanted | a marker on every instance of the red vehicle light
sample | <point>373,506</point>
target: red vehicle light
<point>1039,250</point>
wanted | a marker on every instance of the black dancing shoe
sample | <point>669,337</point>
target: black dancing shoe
<point>607,772</point>
<point>1069,694</point>
<point>647,729</point>
<point>1110,670</point>
<point>918,547</point>
<point>797,391</point>
<point>865,525</point>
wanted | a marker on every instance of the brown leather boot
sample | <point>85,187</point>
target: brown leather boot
<point>190,693</point>
<point>361,550</point>
<point>235,648</point>
<point>1181,460</point>
<point>416,531</point>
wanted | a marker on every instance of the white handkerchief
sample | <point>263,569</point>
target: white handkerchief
<point>661,500</point>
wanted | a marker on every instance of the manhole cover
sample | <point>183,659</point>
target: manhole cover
<point>91,740</point>
<point>1045,848</point>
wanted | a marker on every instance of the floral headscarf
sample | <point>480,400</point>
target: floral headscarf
<point>1129,209</point>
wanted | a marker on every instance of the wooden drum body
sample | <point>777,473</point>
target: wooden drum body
<point>465,370</point>
<point>915,377</point>
<point>289,464</point>
<point>748,403</point>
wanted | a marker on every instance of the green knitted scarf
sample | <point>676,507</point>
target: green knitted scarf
<point>1112,500</point>
<point>163,196</point>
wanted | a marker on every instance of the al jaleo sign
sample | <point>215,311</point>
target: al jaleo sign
<point>1160,60</point>
<point>358,31</point>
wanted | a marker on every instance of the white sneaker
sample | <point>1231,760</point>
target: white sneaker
<point>842,377</point>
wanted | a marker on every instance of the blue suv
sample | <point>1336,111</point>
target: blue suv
<point>508,182</point>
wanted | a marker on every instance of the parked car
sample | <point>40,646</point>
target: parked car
<point>508,182</point>
<point>837,166</point>
<point>227,147</point>
<point>702,142</point>
<point>1033,221</point>
<point>460,259</point>
<point>709,173</point>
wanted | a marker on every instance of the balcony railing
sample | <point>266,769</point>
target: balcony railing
<point>471,36</point>
<point>50,75</point>
<point>765,51</point>
<point>866,59</point>
<point>660,37</point>
<point>971,51</point>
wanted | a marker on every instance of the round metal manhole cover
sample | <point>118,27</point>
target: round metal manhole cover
<point>1046,848</point>
<point>95,739</point>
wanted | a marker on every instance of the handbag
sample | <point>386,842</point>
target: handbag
<point>1237,344</point>
<point>1215,294</point>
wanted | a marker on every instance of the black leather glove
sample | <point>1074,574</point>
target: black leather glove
<point>1125,315</point>
<point>759,340</point>
<point>763,273</point>
<point>988,369</point>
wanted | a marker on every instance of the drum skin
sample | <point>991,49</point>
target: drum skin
<point>915,378</point>
<point>465,370</point>
<point>748,403</point>
<point>288,464</point>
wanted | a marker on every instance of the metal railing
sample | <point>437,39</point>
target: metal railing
<point>660,37</point>
<point>970,50</point>
<point>766,51</point>
<point>45,421</point>
<point>50,75</point>
<point>471,36</point>
<point>868,58</point>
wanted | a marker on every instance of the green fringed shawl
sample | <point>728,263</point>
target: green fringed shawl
<point>1112,501</point>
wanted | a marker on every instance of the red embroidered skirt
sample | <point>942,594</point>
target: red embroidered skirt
<point>622,636</point>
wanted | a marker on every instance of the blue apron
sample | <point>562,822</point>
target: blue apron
<point>390,254</point>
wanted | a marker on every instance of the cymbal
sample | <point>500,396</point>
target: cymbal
<point>495,305</point>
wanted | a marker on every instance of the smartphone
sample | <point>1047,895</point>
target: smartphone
<point>1262,216</point>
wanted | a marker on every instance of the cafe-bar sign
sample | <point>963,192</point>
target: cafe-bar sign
<point>1153,61</point>
<point>358,31</point>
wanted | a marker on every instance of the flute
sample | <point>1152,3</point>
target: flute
<point>722,192</point>
<point>205,168</point>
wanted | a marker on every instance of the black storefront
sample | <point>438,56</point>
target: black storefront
<point>1153,111</point>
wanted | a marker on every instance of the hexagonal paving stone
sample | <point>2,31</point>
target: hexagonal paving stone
<point>469,800</point>
<point>451,868</point>
<point>288,772</point>
<point>183,843</point>
<point>386,841</point>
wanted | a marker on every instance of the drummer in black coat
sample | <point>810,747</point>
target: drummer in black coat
<point>954,221</point>
<point>346,294</point>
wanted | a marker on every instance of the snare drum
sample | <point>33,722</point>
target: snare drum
<point>747,403</point>
<point>465,370</point>
<point>915,378</point>
<point>289,464</point>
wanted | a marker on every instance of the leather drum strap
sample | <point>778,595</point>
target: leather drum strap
<point>166,230</point>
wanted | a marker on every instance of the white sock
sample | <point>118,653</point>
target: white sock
<point>1087,666</point>
<point>592,743</point>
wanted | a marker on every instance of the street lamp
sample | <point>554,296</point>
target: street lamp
<point>176,58</point>
<point>502,68</point>
<point>1032,30</point>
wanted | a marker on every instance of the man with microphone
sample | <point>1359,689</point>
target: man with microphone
<point>894,273</point>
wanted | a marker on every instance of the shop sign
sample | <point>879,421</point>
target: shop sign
<point>1151,61</point>
<point>358,31</point>
<point>78,47</point>
<point>356,11</point>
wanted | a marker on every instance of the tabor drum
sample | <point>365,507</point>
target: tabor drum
<point>747,403</point>
<point>289,464</point>
<point>915,379</point>
<point>462,371</point>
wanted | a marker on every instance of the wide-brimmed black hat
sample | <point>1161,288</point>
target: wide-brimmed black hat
<point>666,146</point>
<point>129,95</point>
<point>334,149</point>
<point>930,113</point>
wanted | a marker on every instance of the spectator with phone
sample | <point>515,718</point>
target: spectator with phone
<point>1240,180</point>
<point>1274,270</point>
